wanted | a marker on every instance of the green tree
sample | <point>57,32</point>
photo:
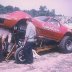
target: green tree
<point>16,9</point>
<point>43,10</point>
<point>2,9</point>
<point>9,9</point>
<point>33,12</point>
<point>52,13</point>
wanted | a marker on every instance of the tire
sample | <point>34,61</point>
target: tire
<point>66,44</point>
<point>19,55</point>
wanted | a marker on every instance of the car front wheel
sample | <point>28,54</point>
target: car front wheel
<point>66,44</point>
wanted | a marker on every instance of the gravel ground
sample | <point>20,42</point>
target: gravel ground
<point>49,62</point>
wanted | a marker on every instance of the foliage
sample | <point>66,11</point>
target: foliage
<point>7,9</point>
<point>43,11</point>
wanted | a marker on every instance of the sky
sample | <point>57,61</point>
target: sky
<point>63,7</point>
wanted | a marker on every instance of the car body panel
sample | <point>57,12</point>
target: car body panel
<point>11,19</point>
<point>48,28</point>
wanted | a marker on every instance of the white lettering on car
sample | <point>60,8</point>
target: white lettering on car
<point>51,28</point>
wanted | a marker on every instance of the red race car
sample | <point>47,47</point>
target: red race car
<point>49,30</point>
<point>53,30</point>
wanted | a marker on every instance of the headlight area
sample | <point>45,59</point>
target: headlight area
<point>70,30</point>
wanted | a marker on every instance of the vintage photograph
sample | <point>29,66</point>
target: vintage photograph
<point>35,35</point>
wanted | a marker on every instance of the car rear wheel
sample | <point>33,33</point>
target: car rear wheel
<point>66,44</point>
<point>19,55</point>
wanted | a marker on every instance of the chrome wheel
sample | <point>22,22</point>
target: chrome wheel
<point>69,45</point>
<point>21,56</point>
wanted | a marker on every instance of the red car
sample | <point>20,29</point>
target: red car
<point>49,30</point>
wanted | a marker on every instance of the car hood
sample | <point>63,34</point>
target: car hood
<point>69,25</point>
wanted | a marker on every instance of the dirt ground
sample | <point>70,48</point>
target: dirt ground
<point>48,62</point>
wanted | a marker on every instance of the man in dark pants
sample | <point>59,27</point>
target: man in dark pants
<point>29,41</point>
<point>28,52</point>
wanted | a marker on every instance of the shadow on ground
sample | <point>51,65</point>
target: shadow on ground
<point>52,50</point>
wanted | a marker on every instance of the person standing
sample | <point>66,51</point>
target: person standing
<point>4,34</point>
<point>29,41</point>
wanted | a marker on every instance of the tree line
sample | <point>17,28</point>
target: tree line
<point>43,11</point>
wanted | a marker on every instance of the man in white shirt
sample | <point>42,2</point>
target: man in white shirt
<point>29,41</point>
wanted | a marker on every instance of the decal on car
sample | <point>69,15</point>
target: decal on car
<point>51,28</point>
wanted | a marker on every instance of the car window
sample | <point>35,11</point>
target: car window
<point>69,21</point>
<point>54,21</point>
<point>42,18</point>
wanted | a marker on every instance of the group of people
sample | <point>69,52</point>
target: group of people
<point>29,41</point>
<point>5,34</point>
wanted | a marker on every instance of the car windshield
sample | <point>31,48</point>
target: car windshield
<point>53,20</point>
<point>42,18</point>
<point>69,22</point>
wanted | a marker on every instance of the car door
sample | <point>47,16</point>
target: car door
<point>52,29</point>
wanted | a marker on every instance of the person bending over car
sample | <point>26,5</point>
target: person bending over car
<point>29,41</point>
